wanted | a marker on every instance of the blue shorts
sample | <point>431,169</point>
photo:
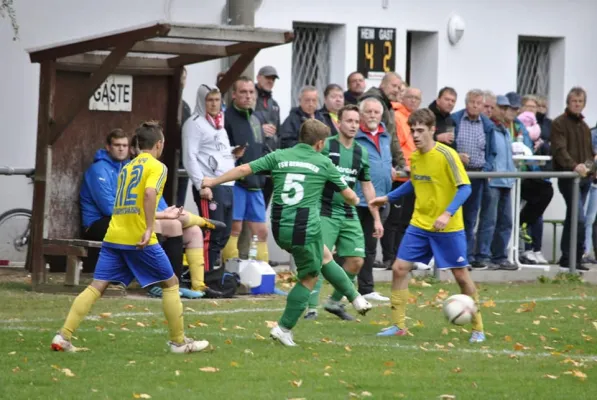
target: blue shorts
<point>249,205</point>
<point>448,248</point>
<point>148,266</point>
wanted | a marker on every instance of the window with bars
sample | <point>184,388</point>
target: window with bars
<point>533,66</point>
<point>310,58</point>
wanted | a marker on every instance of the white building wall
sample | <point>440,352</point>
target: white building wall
<point>486,57</point>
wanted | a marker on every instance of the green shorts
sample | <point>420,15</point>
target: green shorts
<point>307,258</point>
<point>346,234</point>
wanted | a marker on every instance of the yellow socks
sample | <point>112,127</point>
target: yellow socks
<point>173,312</point>
<point>262,252</point>
<point>477,319</point>
<point>79,310</point>
<point>399,299</point>
<point>230,250</point>
<point>197,268</point>
<point>194,220</point>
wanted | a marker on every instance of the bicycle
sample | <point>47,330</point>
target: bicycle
<point>15,233</point>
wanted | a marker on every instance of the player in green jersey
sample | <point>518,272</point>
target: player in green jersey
<point>339,221</point>
<point>300,175</point>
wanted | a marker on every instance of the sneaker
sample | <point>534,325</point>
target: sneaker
<point>311,314</point>
<point>212,224</point>
<point>421,266</point>
<point>524,234</point>
<point>529,257</point>
<point>507,266</point>
<point>361,305</point>
<point>189,346</point>
<point>190,294</point>
<point>477,337</point>
<point>540,258</point>
<point>212,294</point>
<point>392,331</point>
<point>480,265</point>
<point>375,296</point>
<point>155,292</point>
<point>338,309</point>
<point>379,265</point>
<point>579,267</point>
<point>587,259</point>
<point>388,264</point>
<point>59,343</point>
<point>282,335</point>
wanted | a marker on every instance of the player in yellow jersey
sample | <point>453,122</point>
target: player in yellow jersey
<point>441,185</point>
<point>130,249</point>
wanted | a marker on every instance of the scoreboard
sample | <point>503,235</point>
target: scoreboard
<point>376,50</point>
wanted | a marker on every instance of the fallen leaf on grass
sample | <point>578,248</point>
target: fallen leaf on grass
<point>542,338</point>
<point>297,383</point>
<point>105,315</point>
<point>418,324</point>
<point>512,356</point>
<point>366,394</point>
<point>140,324</point>
<point>12,353</point>
<point>595,325</point>
<point>129,307</point>
<point>259,337</point>
<point>489,356</point>
<point>233,364</point>
<point>189,309</point>
<point>271,324</point>
<point>450,344</point>
<point>177,373</point>
<point>548,348</point>
<point>387,372</point>
<point>508,338</point>
<point>326,340</point>
<point>141,396</point>
<point>447,397</point>
<point>496,313</point>
<point>488,304</point>
<point>520,346</point>
<point>576,373</point>
<point>240,328</point>
<point>536,322</point>
<point>209,369</point>
<point>498,323</point>
<point>550,376</point>
<point>16,369</point>
<point>457,370</point>
<point>67,372</point>
<point>527,307</point>
<point>228,341</point>
<point>389,364</point>
<point>554,329</point>
<point>542,317</point>
<point>347,348</point>
<point>445,331</point>
<point>94,390</point>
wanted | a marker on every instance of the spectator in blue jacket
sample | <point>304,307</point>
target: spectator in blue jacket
<point>373,136</point>
<point>475,143</point>
<point>98,189</point>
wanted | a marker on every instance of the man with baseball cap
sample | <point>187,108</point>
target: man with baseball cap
<point>268,113</point>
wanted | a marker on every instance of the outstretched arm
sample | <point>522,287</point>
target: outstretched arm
<point>350,196</point>
<point>234,174</point>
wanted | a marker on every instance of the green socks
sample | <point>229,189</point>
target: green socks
<point>337,296</point>
<point>339,279</point>
<point>296,303</point>
<point>314,297</point>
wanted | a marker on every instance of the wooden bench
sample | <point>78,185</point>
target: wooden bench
<point>74,250</point>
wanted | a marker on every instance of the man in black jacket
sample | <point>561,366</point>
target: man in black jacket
<point>308,104</point>
<point>442,108</point>
<point>267,111</point>
<point>244,130</point>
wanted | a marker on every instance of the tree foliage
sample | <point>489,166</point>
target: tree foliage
<point>7,10</point>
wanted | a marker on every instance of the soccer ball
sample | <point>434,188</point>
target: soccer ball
<point>459,309</point>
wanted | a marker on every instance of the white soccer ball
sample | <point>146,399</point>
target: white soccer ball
<point>459,309</point>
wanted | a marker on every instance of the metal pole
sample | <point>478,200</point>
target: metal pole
<point>574,224</point>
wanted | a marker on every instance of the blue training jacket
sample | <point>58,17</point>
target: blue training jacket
<point>98,189</point>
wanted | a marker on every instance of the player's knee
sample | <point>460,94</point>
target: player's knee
<point>100,286</point>
<point>353,264</point>
<point>309,281</point>
<point>173,281</point>
<point>193,234</point>
<point>400,268</point>
<point>260,229</point>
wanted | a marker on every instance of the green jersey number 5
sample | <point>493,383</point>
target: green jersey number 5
<point>293,192</point>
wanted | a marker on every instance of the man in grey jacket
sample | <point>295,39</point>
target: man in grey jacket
<point>207,152</point>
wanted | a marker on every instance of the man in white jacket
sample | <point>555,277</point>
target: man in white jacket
<point>207,153</point>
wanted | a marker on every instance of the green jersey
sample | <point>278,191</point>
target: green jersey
<point>299,174</point>
<point>353,164</point>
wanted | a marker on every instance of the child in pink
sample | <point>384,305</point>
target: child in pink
<point>529,120</point>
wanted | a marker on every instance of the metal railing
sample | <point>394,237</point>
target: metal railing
<point>16,171</point>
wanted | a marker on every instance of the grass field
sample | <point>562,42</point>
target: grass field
<point>541,350</point>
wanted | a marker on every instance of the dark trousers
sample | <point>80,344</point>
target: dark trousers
<point>537,193</point>
<point>470,213</point>
<point>565,187</point>
<point>268,190</point>
<point>181,195</point>
<point>396,224</point>
<point>95,232</point>
<point>220,209</point>
<point>536,235</point>
<point>365,278</point>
